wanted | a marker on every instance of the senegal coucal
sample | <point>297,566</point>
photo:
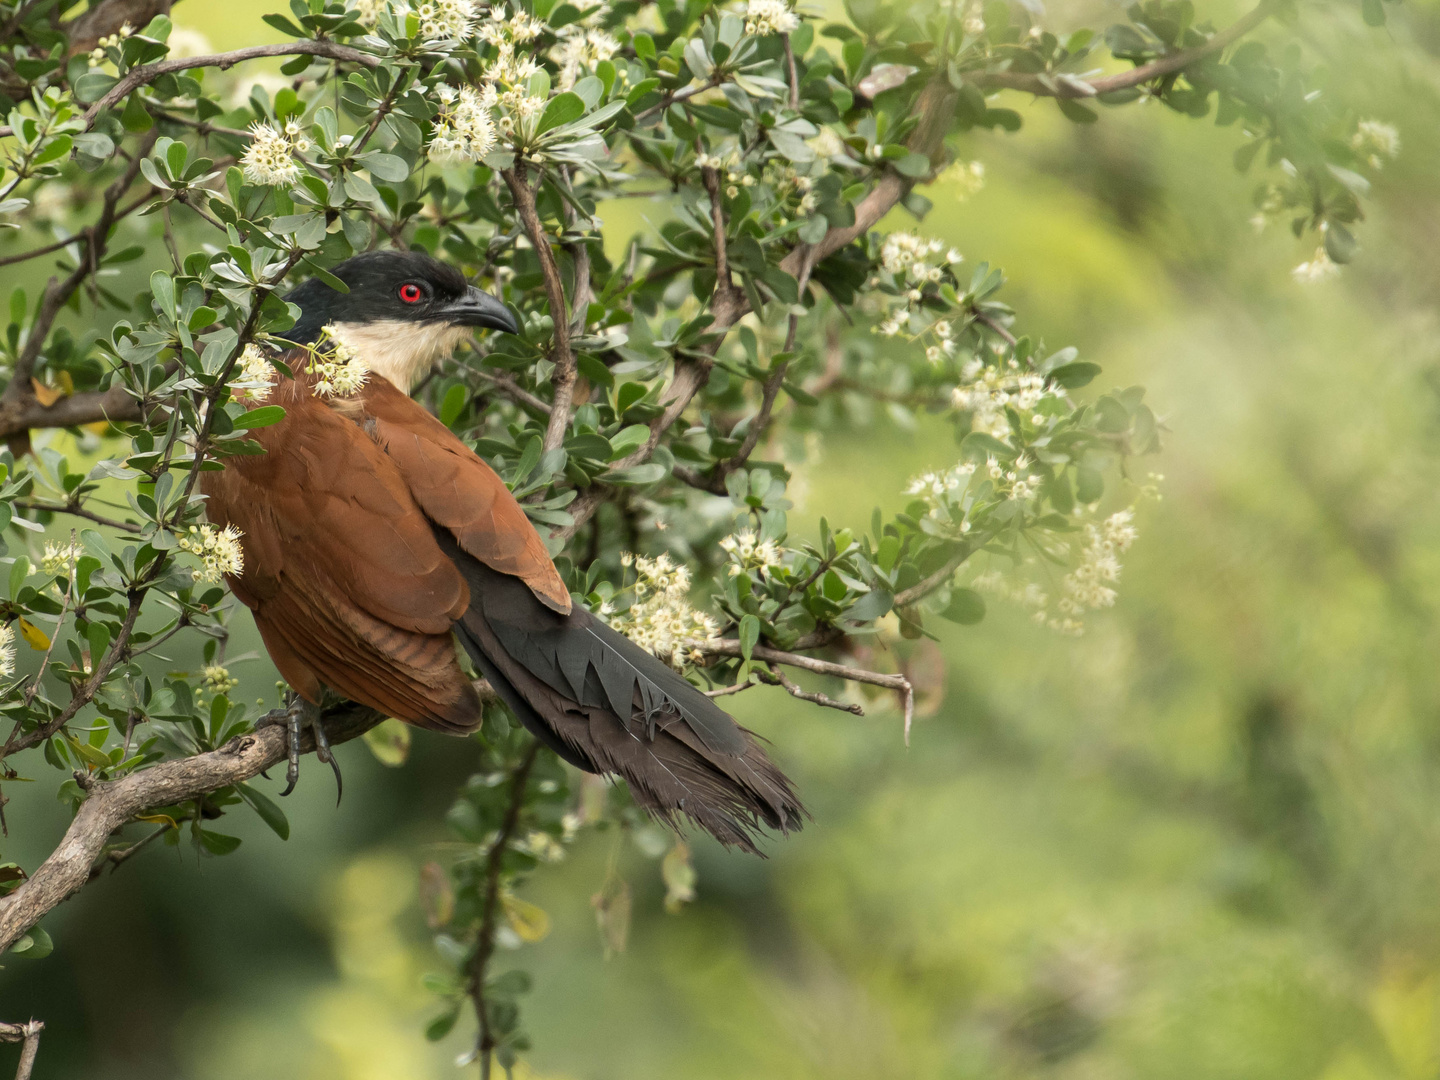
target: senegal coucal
<point>374,540</point>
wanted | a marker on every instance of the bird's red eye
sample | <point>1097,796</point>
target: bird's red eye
<point>410,293</point>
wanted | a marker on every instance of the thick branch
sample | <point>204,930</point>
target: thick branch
<point>112,804</point>
<point>562,379</point>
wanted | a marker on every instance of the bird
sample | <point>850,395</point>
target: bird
<point>377,547</point>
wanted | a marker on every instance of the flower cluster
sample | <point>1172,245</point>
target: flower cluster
<point>59,559</point>
<point>218,550</point>
<point>581,48</point>
<point>502,28</point>
<point>965,178</point>
<point>256,373</point>
<point>1320,267</point>
<point>445,19</point>
<point>988,390</point>
<point>661,620</point>
<point>1375,141</point>
<point>942,491</point>
<point>338,369</point>
<point>1088,585</point>
<point>97,54</point>
<point>7,651</point>
<point>218,680</point>
<point>906,259</point>
<point>748,553</point>
<point>463,131</point>
<point>765,17</point>
<point>271,156</point>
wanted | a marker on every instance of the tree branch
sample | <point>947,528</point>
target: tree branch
<point>494,862</point>
<point>19,394</point>
<point>562,378</point>
<point>29,1036</point>
<point>76,510</point>
<point>1125,80</point>
<point>899,683</point>
<point>111,804</point>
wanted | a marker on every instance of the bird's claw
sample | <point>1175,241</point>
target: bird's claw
<point>296,717</point>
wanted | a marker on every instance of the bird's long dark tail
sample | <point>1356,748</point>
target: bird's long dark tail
<point>606,705</point>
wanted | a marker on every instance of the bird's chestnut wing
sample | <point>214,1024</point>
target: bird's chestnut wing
<point>460,493</point>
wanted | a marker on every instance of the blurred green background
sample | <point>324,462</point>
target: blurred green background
<point>1201,841</point>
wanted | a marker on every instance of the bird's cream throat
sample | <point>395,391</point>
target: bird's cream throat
<point>401,351</point>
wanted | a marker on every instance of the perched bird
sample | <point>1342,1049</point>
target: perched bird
<point>374,539</point>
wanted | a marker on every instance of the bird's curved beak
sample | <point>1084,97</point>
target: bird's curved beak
<point>478,308</point>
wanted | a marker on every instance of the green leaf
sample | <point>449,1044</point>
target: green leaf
<point>563,109</point>
<point>966,607</point>
<point>1339,243</point>
<point>749,635</point>
<point>34,945</point>
<point>269,813</point>
<point>162,287</point>
<point>913,165</point>
<point>1073,110</point>
<point>261,417</point>
<point>454,404</point>
<point>1074,376</point>
<point>636,475</point>
<point>219,843</point>
<point>388,167</point>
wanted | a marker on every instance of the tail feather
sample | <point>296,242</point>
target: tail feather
<point>606,705</point>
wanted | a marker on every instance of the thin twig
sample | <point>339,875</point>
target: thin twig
<point>670,99</point>
<point>777,678</point>
<point>75,510</point>
<point>899,683</point>
<point>562,378</point>
<point>59,625</point>
<point>993,324</point>
<point>794,75</point>
<point>120,855</point>
<point>29,1036</point>
<point>1125,80</point>
<point>485,947</point>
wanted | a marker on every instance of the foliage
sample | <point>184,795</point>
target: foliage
<point>642,389</point>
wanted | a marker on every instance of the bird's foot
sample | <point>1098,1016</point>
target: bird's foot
<point>295,718</point>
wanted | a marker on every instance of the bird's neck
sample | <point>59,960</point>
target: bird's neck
<point>401,351</point>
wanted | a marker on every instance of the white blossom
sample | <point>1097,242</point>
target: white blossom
<point>338,371</point>
<point>219,551</point>
<point>256,373</point>
<point>1317,269</point>
<point>7,651</point>
<point>661,620</point>
<point>59,559</point>
<point>988,390</point>
<point>964,178</point>
<point>464,130</point>
<point>581,49</point>
<point>1088,585</point>
<point>748,553</point>
<point>449,19</point>
<point>827,144</point>
<point>270,158</point>
<point>764,17</point>
<point>1375,141</point>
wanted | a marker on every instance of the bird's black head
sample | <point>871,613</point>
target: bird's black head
<point>396,286</point>
<point>403,312</point>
